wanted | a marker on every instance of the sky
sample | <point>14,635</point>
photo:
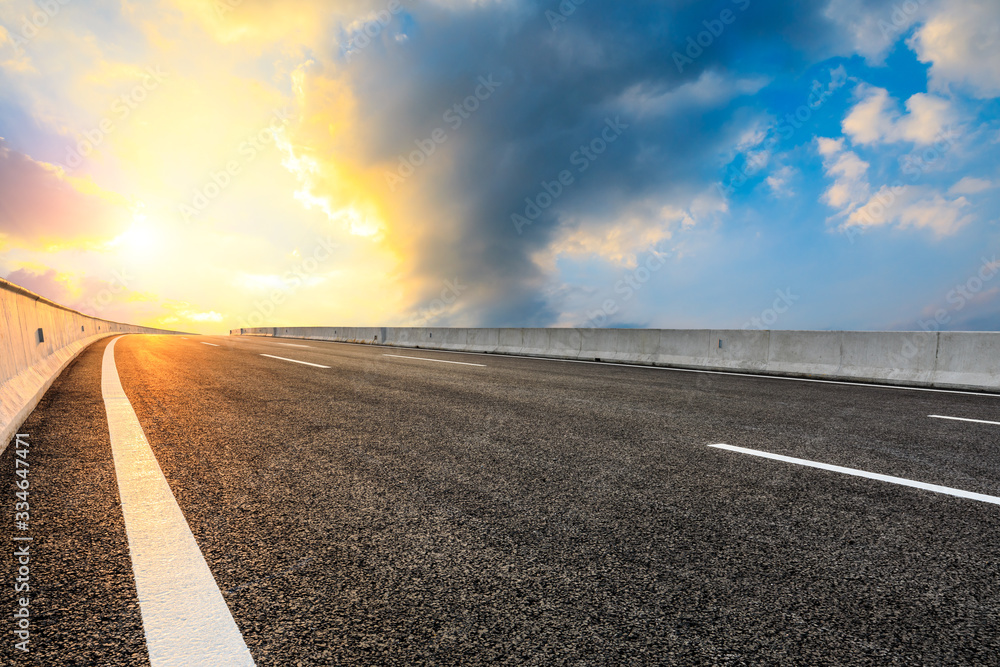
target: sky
<point>204,165</point>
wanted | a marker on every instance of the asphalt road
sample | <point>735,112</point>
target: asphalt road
<point>387,510</point>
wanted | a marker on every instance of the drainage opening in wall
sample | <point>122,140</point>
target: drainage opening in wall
<point>41,336</point>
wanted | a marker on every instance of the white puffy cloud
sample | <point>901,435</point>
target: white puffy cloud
<point>899,207</point>
<point>940,215</point>
<point>908,207</point>
<point>962,44</point>
<point>638,228</point>
<point>872,30</point>
<point>850,173</point>
<point>876,118</point>
<point>778,181</point>
<point>971,186</point>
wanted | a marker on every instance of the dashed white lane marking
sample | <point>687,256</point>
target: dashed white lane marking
<point>184,338</point>
<point>440,361</point>
<point>212,344</point>
<point>963,419</point>
<point>862,473</point>
<point>294,345</point>
<point>294,361</point>
<point>869,385</point>
<point>184,615</point>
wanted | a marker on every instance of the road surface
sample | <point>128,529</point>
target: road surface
<point>365,505</point>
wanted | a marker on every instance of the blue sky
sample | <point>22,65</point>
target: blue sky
<point>828,165</point>
<point>778,229</point>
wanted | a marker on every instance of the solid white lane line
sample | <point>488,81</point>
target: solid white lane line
<point>440,361</point>
<point>184,615</point>
<point>862,473</point>
<point>294,361</point>
<point>212,344</point>
<point>963,419</point>
<point>294,345</point>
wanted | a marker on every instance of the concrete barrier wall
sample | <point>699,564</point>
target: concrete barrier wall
<point>968,357</point>
<point>955,360</point>
<point>38,339</point>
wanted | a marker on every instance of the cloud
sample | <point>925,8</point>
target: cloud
<point>909,207</point>
<point>640,227</point>
<point>452,215</point>
<point>962,44</point>
<point>778,180</point>
<point>942,216</point>
<point>872,27</point>
<point>40,205</point>
<point>850,173</point>
<point>971,186</point>
<point>81,292</point>
<point>709,90</point>
<point>47,283</point>
<point>12,56</point>
<point>111,299</point>
<point>266,22</point>
<point>876,119</point>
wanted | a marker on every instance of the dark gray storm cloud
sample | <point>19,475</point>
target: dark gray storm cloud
<point>564,81</point>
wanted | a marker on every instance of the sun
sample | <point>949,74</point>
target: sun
<point>141,238</point>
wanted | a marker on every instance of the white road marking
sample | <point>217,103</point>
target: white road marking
<point>294,345</point>
<point>294,361</point>
<point>862,473</point>
<point>963,419</point>
<point>212,344</point>
<point>184,615</point>
<point>846,383</point>
<point>184,337</point>
<point>440,361</point>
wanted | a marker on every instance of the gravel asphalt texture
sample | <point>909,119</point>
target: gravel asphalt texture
<point>529,512</point>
